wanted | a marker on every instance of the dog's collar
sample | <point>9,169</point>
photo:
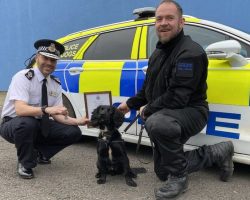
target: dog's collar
<point>105,133</point>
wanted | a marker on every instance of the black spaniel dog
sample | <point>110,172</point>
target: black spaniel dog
<point>108,119</point>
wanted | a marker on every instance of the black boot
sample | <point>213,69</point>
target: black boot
<point>222,155</point>
<point>41,159</point>
<point>23,172</point>
<point>173,187</point>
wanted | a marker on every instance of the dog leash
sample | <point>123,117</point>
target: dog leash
<point>131,123</point>
<point>139,144</point>
<point>139,139</point>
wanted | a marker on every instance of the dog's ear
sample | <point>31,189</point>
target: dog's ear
<point>95,113</point>
<point>118,117</point>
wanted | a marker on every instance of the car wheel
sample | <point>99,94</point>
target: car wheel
<point>69,106</point>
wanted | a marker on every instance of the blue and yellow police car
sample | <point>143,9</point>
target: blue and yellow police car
<point>115,58</point>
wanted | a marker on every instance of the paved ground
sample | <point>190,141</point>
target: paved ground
<point>71,176</point>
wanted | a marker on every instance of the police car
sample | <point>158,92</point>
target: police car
<point>115,58</point>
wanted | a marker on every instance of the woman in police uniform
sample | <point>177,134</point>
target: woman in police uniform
<point>34,95</point>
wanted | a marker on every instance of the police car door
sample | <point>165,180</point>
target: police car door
<point>110,64</point>
<point>228,92</point>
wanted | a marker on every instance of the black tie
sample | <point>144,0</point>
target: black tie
<point>45,117</point>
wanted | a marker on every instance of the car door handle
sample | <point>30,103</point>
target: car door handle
<point>75,70</point>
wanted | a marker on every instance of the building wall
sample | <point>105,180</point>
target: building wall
<point>23,22</point>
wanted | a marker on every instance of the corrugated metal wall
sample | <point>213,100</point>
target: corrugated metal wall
<point>23,22</point>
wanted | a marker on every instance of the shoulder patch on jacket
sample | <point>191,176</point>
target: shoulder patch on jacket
<point>184,68</point>
<point>55,79</point>
<point>30,74</point>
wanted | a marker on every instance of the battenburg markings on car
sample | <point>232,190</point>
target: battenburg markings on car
<point>213,123</point>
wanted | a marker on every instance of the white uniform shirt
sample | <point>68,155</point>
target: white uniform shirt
<point>30,91</point>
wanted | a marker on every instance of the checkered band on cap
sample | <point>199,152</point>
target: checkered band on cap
<point>48,50</point>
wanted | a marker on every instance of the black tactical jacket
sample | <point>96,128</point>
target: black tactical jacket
<point>175,79</point>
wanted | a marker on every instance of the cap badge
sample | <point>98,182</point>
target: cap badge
<point>52,47</point>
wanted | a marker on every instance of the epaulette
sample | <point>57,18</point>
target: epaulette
<point>55,79</point>
<point>30,74</point>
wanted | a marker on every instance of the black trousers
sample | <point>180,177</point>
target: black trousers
<point>25,133</point>
<point>169,130</point>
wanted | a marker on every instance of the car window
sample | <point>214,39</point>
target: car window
<point>115,45</point>
<point>205,37</point>
<point>72,47</point>
<point>152,40</point>
<point>202,36</point>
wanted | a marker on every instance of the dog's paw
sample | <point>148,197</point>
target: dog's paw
<point>132,174</point>
<point>98,175</point>
<point>101,181</point>
<point>130,182</point>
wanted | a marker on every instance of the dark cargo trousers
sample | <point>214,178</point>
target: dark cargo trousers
<point>25,133</point>
<point>169,130</point>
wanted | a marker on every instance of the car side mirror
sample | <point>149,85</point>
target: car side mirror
<point>228,50</point>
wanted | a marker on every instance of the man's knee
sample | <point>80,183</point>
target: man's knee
<point>159,125</point>
<point>25,128</point>
<point>74,134</point>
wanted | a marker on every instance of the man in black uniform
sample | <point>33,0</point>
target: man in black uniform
<point>173,104</point>
<point>35,96</point>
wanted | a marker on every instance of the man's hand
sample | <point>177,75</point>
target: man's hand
<point>123,107</point>
<point>142,111</point>
<point>82,121</point>
<point>57,110</point>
